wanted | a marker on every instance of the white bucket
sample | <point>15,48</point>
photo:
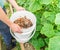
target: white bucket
<point>27,33</point>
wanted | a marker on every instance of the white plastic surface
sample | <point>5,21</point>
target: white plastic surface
<point>27,33</point>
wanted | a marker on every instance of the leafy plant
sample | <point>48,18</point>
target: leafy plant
<point>54,43</point>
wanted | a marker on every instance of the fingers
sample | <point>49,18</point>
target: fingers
<point>16,28</point>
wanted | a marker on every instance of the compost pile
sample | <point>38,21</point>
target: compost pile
<point>23,22</point>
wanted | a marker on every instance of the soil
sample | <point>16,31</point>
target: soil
<point>28,46</point>
<point>23,22</point>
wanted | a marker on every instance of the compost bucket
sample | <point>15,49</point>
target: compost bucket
<point>27,33</point>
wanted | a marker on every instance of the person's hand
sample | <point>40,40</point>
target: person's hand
<point>15,28</point>
<point>19,8</point>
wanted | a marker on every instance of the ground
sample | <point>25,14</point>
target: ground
<point>27,46</point>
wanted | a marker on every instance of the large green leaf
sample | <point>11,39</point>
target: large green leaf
<point>50,16</point>
<point>57,20</point>
<point>35,6</point>
<point>54,43</point>
<point>43,20</point>
<point>58,5</point>
<point>46,14</point>
<point>45,1</point>
<point>47,30</point>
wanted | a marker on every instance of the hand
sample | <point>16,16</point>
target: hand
<point>15,28</point>
<point>19,8</point>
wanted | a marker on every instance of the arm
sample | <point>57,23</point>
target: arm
<point>4,18</point>
<point>14,4</point>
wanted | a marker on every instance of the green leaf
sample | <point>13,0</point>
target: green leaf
<point>57,33</point>
<point>58,27</point>
<point>46,14</point>
<point>47,30</point>
<point>50,16</point>
<point>38,27</point>
<point>28,3</point>
<point>46,48</point>
<point>41,42</point>
<point>57,20</point>
<point>43,20</point>
<point>38,20</point>
<point>38,43</point>
<point>37,33</point>
<point>35,44</point>
<point>35,6</point>
<point>58,5</point>
<point>45,1</point>
<point>54,43</point>
<point>47,40</point>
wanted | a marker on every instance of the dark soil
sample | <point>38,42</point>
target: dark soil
<point>28,46</point>
<point>23,22</point>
